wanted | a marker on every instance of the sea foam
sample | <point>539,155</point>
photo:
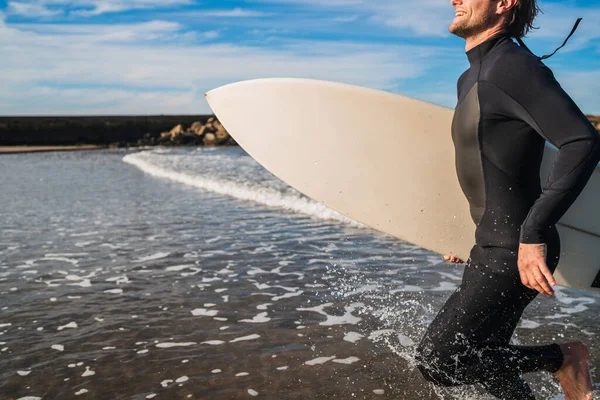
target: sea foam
<point>158,165</point>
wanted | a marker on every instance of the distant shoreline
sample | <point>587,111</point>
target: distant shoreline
<point>39,149</point>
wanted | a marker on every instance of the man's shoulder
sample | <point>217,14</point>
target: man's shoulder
<point>463,76</point>
<point>512,66</point>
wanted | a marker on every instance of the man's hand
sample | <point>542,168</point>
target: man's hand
<point>453,259</point>
<point>533,269</point>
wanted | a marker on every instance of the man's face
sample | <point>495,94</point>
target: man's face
<point>473,17</point>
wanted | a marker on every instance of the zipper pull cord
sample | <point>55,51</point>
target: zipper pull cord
<point>563,45</point>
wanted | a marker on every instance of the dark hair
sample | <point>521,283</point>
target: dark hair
<point>523,15</point>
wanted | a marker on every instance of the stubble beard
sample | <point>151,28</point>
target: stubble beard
<point>470,28</point>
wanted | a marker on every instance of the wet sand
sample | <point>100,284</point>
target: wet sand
<point>36,149</point>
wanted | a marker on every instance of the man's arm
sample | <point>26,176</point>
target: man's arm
<point>552,113</point>
<point>543,104</point>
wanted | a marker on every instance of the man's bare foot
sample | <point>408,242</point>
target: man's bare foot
<point>574,375</point>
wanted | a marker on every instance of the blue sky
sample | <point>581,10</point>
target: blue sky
<point>98,57</point>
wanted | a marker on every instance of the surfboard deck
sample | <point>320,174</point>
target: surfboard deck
<point>384,160</point>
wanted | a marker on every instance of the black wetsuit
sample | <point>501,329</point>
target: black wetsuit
<point>509,104</point>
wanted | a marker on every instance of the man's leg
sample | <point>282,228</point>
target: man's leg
<point>468,342</point>
<point>509,387</point>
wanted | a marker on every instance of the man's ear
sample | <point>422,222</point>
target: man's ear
<point>506,6</point>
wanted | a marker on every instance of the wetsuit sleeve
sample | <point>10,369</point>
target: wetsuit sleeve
<point>544,105</point>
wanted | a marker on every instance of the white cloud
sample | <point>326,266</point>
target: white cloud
<point>556,23</point>
<point>97,7</point>
<point>432,17</point>
<point>31,10</point>
<point>235,13</point>
<point>211,34</point>
<point>345,19</point>
<point>43,100</point>
<point>40,8</point>
<point>75,69</point>
<point>420,17</point>
<point>161,66</point>
<point>320,3</point>
<point>91,34</point>
<point>583,87</point>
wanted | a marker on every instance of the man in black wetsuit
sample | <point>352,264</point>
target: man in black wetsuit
<point>509,104</point>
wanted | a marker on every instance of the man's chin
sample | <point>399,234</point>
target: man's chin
<point>458,30</point>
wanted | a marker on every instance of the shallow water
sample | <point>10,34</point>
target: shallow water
<point>191,273</point>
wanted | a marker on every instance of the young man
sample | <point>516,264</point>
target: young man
<point>509,104</point>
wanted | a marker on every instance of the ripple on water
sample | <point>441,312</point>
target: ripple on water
<point>161,276</point>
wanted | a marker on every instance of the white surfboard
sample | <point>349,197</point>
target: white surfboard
<point>384,160</point>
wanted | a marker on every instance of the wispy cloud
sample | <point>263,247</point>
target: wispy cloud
<point>584,87</point>
<point>47,8</point>
<point>102,56</point>
<point>94,34</point>
<point>234,13</point>
<point>111,6</point>
<point>31,10</point>
<point>160,56</point>
<point>432,17</point>
<point>212,34</point>
<point>421,17</point>
<point>318,3</point>
<point>345,19</point>
<point>556,23</point>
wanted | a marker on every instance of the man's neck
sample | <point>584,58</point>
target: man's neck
<point>474,41</point>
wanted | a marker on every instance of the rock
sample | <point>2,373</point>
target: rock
<point>176,131</point>
<point>222,135</point>
<point>209,128</point>
<point>595,120</point>
<point>217,125</point>
<point>200,132</point>
<point>197,128</point>
<point>165,138</point>
<point>220,132</point>
<point>189,138</point>
<point>210,139</point>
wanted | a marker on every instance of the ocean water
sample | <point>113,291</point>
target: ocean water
<point>195,273</point>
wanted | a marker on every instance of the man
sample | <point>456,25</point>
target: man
<point>509,104</point>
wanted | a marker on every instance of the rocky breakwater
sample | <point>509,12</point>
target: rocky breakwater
<point>212,133</point>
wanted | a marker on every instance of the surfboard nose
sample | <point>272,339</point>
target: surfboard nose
<point>211,92</point>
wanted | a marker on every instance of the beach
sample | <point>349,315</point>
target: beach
<point>176,273</point>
